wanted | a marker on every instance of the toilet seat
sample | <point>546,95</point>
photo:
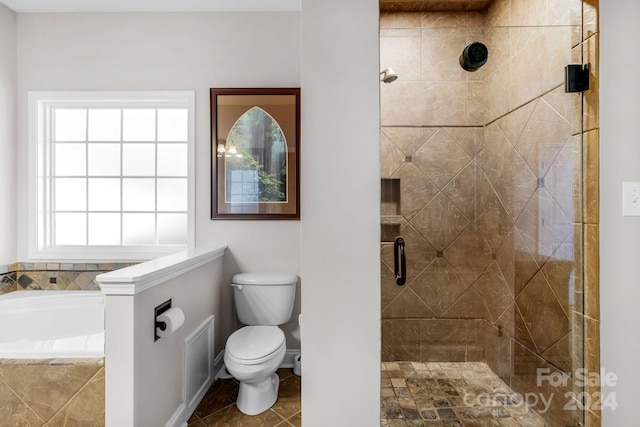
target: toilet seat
<point>252,345</point>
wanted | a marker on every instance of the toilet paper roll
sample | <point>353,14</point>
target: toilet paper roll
<point>174,318</point>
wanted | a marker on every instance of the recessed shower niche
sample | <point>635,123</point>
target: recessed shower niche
<point>390,209</point>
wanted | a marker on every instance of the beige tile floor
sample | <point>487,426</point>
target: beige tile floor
<point>412,395</point>
<point>218,407</point>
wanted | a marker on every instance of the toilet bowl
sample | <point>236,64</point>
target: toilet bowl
<point>254,352</point>
<point>252,356</point>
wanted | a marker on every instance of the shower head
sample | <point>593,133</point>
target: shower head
<point>388,75</point>
<point>474,56</point>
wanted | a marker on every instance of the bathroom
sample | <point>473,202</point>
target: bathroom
<point>339,229</point>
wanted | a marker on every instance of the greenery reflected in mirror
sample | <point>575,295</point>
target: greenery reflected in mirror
<point>255,135</point>
<point>256,171</point>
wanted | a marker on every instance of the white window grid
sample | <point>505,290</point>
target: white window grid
<point>43,212</point>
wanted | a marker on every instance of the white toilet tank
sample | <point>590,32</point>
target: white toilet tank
<point>264,298</point>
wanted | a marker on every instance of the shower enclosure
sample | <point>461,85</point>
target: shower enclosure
<point>482,176</point>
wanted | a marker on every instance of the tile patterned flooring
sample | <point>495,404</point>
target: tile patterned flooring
<point>450,395</point>
<point>412,395</point>
<point>218,407</point>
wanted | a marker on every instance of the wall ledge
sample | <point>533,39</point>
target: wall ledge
<point>140,277</point>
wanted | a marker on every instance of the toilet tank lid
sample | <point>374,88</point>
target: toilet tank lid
<point>265,279</point>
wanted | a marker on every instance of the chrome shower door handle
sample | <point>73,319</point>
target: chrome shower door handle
<point>399,261</point>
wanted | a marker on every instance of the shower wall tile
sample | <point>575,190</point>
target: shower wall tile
<point>564,179</point>
<point>414,182</point>
<point>407,305</point>
<point>499,14</point>
<point>542,313</point>
<point>440,222</point>
<point>507,252</point>
<point>469,190</point>
<point>516,184</point>
<point>441,158</point>
<point>494,222</point>
<point>498,351</point>
<point>439,285</point>
<point>527,43</point>
<point>441,48</point>
<point>469,254</point>
<point>470,305</point>
<point>389,289</point>
<point>529,13</point>
<point>591,172</point>
<point>421,253</point>
<point>591,97</point>
<point>400,49</point>
<point>391,158</point>
<point>564,12</point>
<point>590,18</point>
<point>400,20</point>
<point>516,263</point>
<point>402,340</point>
<point>592,355</point>
<point>592,270</point>
<point>495,292</point>
<point>401,103</point>
<point>409,139</point>
<point>430,20</point>
<point>470,139</point>
<point>443,103</point>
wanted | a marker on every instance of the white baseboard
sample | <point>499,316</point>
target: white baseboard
<point>178,418</point>
<point>289,358</point>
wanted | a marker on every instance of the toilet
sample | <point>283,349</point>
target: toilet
<point>254,352</point>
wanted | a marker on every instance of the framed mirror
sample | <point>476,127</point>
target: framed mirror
<point>255,141</point>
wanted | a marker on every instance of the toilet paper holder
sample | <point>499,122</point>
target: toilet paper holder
<point>158,324</point>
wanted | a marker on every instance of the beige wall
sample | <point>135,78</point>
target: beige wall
<point>620,246</point>
<point>340,214</point>
<point>170,51</point>
<point>8,145</point>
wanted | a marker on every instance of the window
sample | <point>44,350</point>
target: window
<point>110,174</point>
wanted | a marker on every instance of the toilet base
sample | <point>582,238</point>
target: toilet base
<point>256,397</point>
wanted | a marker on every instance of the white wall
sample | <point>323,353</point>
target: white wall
<point>8,190</point>
<point>619,237</point>
<point>170,51</point>
<point>340,214</point>
<point>144,377</point>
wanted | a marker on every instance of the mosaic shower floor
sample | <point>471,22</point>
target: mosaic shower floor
<point>412,395</point>
<point>449,395</point>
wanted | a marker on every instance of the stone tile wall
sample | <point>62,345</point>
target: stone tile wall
<point>482,175</point>
<point>52,392</point>
<point>54,276</point>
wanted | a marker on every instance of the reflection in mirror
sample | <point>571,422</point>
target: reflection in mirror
<point>254,152</point>
<point>256,159</point>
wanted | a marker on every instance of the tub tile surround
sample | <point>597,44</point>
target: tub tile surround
<point>510,195</point>
<point>55,276</point>
<point>52,392</point>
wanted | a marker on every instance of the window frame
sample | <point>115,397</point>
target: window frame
<point>40,105</point>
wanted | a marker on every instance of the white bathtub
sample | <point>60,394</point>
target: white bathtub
<point>51,324</point>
